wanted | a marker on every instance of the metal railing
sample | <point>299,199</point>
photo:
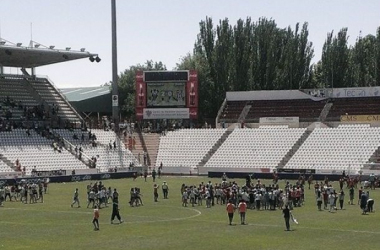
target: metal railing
<point>71,148</point>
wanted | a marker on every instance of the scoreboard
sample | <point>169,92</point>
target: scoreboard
<point>161,94</point>
<point>167,94</point>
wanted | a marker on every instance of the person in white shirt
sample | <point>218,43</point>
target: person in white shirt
<point>184,198</point>
<point>165,189</point>
<point>332,202</point>
<point>91,198</point>
<point>258,200</point>
<point>76,198</point>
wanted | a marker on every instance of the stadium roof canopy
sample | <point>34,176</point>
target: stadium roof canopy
<point>31,57</point>
<point>80,94</point>
<point>90,99</point>
<point>269,95</point>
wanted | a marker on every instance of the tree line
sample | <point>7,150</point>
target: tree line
<point>262,56</point>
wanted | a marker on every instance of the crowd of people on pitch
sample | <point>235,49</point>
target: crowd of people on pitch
<point>24,192</point>
<point>257,195</point>
<point>325,194</point>
<point>135,197</point>
<point>98,195</point>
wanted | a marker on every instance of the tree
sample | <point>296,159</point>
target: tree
<point>364,58</point>
<point>127,86</point>
<point>248,56</point>
<point>335,59</point>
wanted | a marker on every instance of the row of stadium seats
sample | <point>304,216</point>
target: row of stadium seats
<point>35,150</point>
<point>354,106</point>
<point>19,137</point>
<point>347,147</point>
<point>106,157</point>
<point>303,108</point>
<point>262,147</point>
<point>351,146</point>
<point>179,142</point>
<point>232,110</point>
<point>28,92</point>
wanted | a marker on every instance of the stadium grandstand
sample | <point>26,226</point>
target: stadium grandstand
<point>41,131</point>
<point>321,131</point>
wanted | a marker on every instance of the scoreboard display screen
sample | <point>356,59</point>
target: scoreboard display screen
<point>165,94</point>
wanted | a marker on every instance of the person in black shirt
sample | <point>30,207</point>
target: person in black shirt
<point>286,213</point>
<point>115,211</point>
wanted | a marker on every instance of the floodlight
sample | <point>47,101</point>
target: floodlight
<point>92,59</point>
<point>97,59</point>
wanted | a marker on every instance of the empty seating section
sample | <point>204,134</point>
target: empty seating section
<point>354,106</point>
<point>232,110</point>
<point>264,147</point>
<point>186,147</point>
<point>51,96</point>
<point>35,150</point>
<point>347,147</point>
<point>15,91</point>
<point>106,158</point>
<point>305,109</point>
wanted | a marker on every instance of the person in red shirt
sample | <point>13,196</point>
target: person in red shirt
<point>242,207</point>
<point>95,221</point>
<point>230,211</point>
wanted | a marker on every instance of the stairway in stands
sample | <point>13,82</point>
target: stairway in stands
<point>6,164</point>
<point>294,149</point>
<point>51,95</point>
<point>244,113</point>
<point>375,158</point>
<point>149,142</point>
<point>325,111</point>
<point>214,148</point>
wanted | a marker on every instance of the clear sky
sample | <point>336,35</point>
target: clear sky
<point>161,30</point>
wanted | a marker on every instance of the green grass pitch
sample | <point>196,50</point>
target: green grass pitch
<point>168,225</point>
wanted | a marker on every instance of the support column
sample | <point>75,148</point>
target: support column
<point>115,89</point>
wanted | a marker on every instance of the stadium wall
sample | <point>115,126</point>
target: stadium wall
<point>282,176</point>
<point>70,178</point>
